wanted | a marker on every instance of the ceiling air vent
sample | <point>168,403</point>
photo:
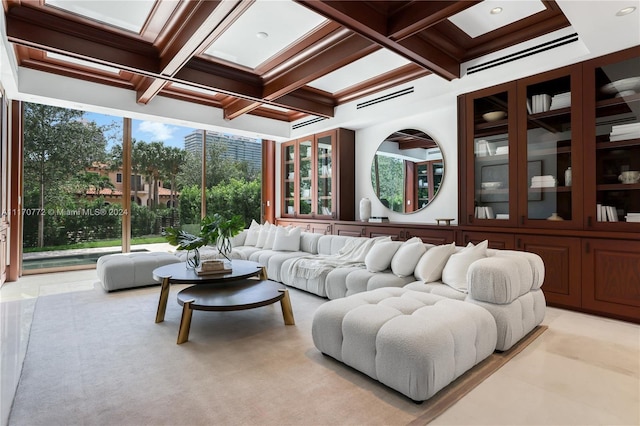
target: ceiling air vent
<point>524,53</point>
<point>385,98</point>
<point>308,122</point>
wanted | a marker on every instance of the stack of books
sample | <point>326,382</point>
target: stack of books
<point>625,131</point>
<point>378,219</point>
<point>632,217</point>
<point>546,181</point>
<point>540,103</point>
<point>561,100</point>
<point>213,267</point>
<point>607,214</point>
<point>485,212</point>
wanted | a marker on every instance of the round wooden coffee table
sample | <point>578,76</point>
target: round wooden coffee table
<point>231,296</point>
<point>178,273</point>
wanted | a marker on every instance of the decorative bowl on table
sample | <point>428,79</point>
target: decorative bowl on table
<point>491,185</point>
<point>494,116</point>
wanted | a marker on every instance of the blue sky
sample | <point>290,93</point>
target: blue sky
<point>147,131</point>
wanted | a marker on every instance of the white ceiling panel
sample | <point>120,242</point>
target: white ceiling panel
<point>479,19</point>
<point>129,15</point>
<point>82,62</point>
<point>193,88</point>
<point>370,66</point>
<point>279,23</point>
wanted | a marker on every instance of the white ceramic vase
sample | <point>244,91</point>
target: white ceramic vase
<point>365,209</point>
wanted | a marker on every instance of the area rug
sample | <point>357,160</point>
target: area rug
<point>100,359</point>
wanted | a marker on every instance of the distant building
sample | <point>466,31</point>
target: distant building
<point>238,148</point>
<point>115,195</point>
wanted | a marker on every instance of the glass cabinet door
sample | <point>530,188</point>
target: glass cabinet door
<point>324,176</point>
<point>422,185</point>
<point>551,161</point>
<point>616,177</point>
<point>493,177</point>
<point>305,162</point>
<point>289,186</point>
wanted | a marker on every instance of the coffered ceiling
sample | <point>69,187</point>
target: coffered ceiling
<point>279,59</point>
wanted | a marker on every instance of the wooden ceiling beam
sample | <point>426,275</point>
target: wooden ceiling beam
<point>195,29</point>
<point>31,27</point>
<point>364,20</point>
<point>420,15</point>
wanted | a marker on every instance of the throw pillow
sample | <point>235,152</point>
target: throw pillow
<point>454,273</point>
<point>264,233</point>
<point>431,264</point>
<point>379,257</point>
<point>406,258</point>
<point>271,237</point>
<point>287,239</point>
<point>253,233</point>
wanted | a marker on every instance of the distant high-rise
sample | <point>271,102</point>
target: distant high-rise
<point>238,148</point>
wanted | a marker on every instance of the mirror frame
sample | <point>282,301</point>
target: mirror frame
<point>421,148</point>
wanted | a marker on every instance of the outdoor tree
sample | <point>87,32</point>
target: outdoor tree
<point>58,144</point>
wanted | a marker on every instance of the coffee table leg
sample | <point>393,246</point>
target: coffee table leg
<point>162,303</point>
<point>287,310</point>
<point>185,321</point>
<point>263,273</point>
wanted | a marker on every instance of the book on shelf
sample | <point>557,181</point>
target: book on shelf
<point>378,219</point>
<point>485,212</point>
<point>632,217</point>
<point>606,213</point>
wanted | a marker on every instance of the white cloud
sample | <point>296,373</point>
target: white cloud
<point>158,131</point>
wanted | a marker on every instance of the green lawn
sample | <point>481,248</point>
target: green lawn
<point>102,243</point>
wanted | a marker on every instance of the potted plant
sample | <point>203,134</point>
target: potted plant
<point>214,229</point>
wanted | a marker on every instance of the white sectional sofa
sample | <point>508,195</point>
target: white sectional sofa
<point>504,282</point>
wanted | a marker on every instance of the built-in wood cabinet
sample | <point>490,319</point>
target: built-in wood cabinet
<point>546,172</point>
<point>318,176</point>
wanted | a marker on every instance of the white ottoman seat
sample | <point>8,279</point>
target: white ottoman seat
<point>414,342</point>
<point>129,270</point>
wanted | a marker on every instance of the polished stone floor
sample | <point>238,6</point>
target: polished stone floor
<point>584,370</point>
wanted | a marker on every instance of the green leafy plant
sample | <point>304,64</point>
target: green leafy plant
<point>215,229</point>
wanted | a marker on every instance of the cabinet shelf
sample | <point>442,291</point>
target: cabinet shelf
<point>627,143</point>
<point>618,187</point>
<point>613,106</point>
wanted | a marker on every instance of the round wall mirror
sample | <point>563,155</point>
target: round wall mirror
<point>407,171</point>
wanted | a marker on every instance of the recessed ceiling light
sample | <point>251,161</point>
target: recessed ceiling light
<point>262,34</point>
<point>496,10</point>
<point>625,11</point>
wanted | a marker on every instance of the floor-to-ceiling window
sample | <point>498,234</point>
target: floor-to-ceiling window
<point>88,176</point>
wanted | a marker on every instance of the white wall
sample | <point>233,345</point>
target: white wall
<point>440,122</point>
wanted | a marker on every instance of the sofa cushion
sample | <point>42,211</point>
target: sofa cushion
<point>264,233</point>
<point>379,257</point>
<point>431,264</point>
<point>455,271</point>
<point>287,239</point>
<point>271,237</point>
<point>252,234</point>
<point>406,258</point>
<point>309,242</point>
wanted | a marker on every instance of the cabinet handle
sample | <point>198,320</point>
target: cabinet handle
<point>466,239</point>
<point>519,243</point>
<point>362,232</point>
<point>328,229</point>
<point>589,221</point>
<point>470,218</point>
<point>522,220</point>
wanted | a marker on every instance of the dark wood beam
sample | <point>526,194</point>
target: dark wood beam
<point>371,24</point>
<point>31,27</point>
<point>197,26</point>
<point>420,15</point>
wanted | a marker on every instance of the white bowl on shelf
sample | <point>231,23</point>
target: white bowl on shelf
<point>491,185</point>
<point>494,116</point>
<point>625,85</point>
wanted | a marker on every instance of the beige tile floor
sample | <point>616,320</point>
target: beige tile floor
<point>584,370</point>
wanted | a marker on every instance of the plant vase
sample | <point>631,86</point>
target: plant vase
<point>193,258</point>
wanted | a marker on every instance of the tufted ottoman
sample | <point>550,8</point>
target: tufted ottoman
<point>128,270</point>
<point>414,342</point>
